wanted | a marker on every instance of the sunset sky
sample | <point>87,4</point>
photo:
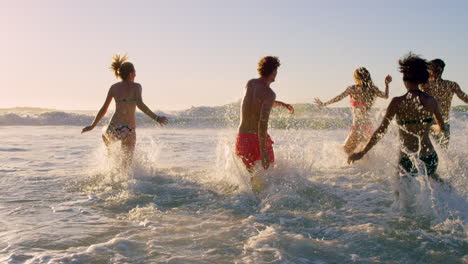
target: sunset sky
<point>56,54</point>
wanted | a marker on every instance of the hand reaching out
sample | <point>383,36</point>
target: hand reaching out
<point>162,120</point>
<point>290,108</point>
<point>355,156</point>
<point>319,102</point>
<point>86,129</point>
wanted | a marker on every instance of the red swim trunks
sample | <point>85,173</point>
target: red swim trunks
<point>248,149</point>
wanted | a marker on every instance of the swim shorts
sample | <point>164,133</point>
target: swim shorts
<point>248,149</point>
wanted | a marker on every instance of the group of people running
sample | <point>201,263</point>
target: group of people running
<point>422,111</point>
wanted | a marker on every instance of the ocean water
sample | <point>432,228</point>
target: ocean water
<point>188,200</point>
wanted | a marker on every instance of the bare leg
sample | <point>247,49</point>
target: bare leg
<point>255,180</point>
<point>107,143</point>
<point>354,138</point>
<point>128,147</point>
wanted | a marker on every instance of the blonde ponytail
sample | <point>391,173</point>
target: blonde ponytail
<point>117,62</point>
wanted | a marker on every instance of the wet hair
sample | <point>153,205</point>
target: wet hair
<point>437,66</point>
<point>267,65</point>
<point>120,67</point>
<point>414,68</point>
<point>362,76</point>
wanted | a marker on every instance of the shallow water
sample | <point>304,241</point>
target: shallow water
<point>188,200</point>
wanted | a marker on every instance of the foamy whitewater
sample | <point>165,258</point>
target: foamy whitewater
<point>188,198</point>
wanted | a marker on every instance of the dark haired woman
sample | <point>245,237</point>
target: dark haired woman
<point>362,96</point>
<point>414,113</point>
<point>127,96</point>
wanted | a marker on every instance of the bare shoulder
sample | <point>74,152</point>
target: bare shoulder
<point>426,96</point>
<point>250,82</point>
<point>138,87</point>
<point>113,87</point>
<point>254,83</point>
<point>397,101</point>
<point>428,100</point>
<point>351,88</point>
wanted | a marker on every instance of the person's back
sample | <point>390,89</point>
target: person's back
<point>414,117</point>
<point>364,95</point>
<point>124,94</point>
<point>253,142</point>
<point>415,112</point>
<point>127,96</point>
<point>442,91</point>
<point>255,94</point>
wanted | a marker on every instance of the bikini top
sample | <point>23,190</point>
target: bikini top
<point>127,100</point>
<point>410,122</point>
<point>356,103</point>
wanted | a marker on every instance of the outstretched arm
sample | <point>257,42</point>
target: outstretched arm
<point>381,94</point>
<point>101,113</point>
<point>145,109</point>
<point>463,96</point>
<point>334,100</point>
<point>287,106</point>
<point>262,129</point>
<point>378,134</point>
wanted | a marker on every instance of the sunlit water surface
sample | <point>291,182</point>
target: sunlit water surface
<point>188,200</point>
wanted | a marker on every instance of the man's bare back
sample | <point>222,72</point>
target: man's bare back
<point>257,95</point>
<point>253,142</point>
<point>443,91</point>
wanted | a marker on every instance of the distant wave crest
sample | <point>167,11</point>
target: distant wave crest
<point>306,116</point>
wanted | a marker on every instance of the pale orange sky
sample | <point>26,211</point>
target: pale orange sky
<point>56,54</point>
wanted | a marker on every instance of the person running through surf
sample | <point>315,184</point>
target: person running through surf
<point>362,97</point>
<point>414,112</point>
<point>253,143</point>
<point>443,91</point>
<point>128,96</point>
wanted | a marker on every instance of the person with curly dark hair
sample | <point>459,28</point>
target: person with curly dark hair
<point>362,96</point>
<point>414,112</point>
<point>127,96</point>
<point>443,91</point>
<point>253,142</point>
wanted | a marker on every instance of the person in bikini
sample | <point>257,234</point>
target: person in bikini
<point>362,97</point>
<point>414,112</point>
<point>127,96</point>
<point>443,91</point>
<point>253,142</point>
